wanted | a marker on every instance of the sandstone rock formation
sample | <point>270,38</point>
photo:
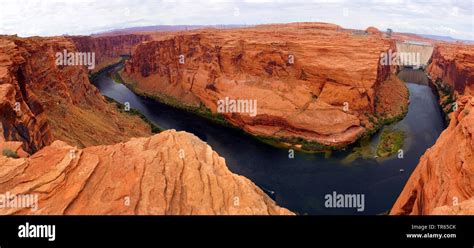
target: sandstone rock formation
<point>41,101</point>
<point>108,49</point>
<point>445,174</point>
<point>14,146</point>
<point>310,80</point>
<point>463,208</point>
<point>21,114</point>
<point>453,64</point>
<point>443,181</point>
<point>373,30</point>
<point>172,173</point>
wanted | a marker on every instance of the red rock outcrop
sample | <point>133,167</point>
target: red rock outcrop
<point>22,117</point>
<point>445,174</point>
<point>172,173</point>
<point>108,49</point>
<point>310,80</point>
<point>463,208</point>
<point>453,65</point>
<point>443,181</point>
<point>14,146</point>
<point>41,101</point>
<point>373,30</point>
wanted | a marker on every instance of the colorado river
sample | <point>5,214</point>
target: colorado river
<point>300,184</point>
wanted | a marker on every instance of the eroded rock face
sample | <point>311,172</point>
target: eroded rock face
<point>13,146</point>
<point>445,174</point>
<point>463,208</point>
<point>108,49</point>
<point>310,80</point>
<point>22,116</point>
<point>41,101</point>
<point>443,181</point>
<point>170,173</point>
<point>453,65</point>
<point>373,30</point>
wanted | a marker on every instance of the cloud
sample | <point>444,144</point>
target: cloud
<point>57,17</point>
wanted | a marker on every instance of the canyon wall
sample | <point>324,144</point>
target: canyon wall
<point>41,101</point>
<point>312,81</point>
<point>452,64</point>
<point>108,49</point>
<point>443,181</point>
<point>172,173</point>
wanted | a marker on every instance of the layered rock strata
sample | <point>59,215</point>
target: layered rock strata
<point>309,81</point>
<point>172,173</point>
<point>443,181</point>
<point>41,100</point>
<point>108,49</point>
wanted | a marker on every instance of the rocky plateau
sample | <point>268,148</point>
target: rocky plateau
<point>314,82</point>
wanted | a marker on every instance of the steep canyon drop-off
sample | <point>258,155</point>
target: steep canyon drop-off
<point>296,98</point>
<point>299,99</point>
<point>313,82</point>
<point>443,181</point>
<point>41,102</point>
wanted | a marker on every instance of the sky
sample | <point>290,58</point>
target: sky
<point>81,17</point>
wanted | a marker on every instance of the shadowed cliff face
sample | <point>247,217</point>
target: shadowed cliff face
<point>312,81</point>
<point>453,65</point>
<point>41,101</point>
<point>172,173</point>
<point>443,181</point>
<point>108,49</point>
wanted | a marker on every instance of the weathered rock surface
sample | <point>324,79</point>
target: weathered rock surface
<point>453,65</point>
<point>443,181</point>
<point>41,101</point>
<point>172,173</point>
<point>107,49</point>
<point>445,174</point>
<point>13,146</point>
<point>463,208</point>
<point>22,117</point>
<point>310,80</point>
<point>373,30</point>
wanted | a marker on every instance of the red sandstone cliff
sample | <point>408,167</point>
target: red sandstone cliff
<point>301,75</point>
<point>453,65</point>
<point>172,173</point>
<point>108,49</point>
<point>41,101</point>
<point>443,181</point>
<point>445,174</point>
